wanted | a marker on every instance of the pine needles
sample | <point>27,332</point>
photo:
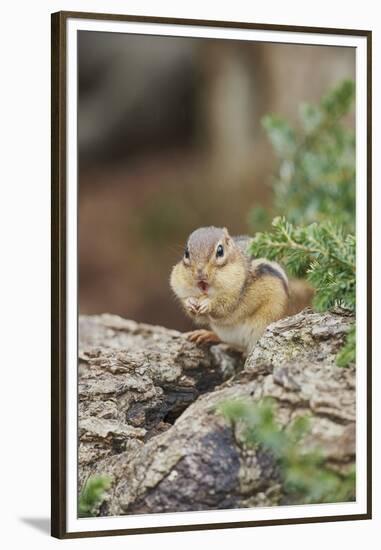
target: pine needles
<point>322,253</point>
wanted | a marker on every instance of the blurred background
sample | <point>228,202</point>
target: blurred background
<point>170,139</point>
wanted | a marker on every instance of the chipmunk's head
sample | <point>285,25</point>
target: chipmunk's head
<point>211,262</point>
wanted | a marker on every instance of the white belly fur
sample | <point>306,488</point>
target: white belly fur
<point>243,336</point>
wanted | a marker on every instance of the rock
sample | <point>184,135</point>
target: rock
<point>135,380</point>
<point>149,419</point>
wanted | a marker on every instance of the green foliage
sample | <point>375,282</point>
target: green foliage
<point>92,494</point>
<point>347,354</point>
<point>316,176</point>
<point>320,252</point>
<point>306,477</point>
<point>314,190</point>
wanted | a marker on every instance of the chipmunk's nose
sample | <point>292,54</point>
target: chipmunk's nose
<point>201,276</point>
<point>202,280</point>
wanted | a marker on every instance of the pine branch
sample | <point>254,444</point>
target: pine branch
<point>319,252</point>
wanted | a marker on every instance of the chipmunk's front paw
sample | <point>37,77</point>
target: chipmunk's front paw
<point>197,307</point>
<point>203,306</point>
<point>192,305</point>
<point>203,336</point>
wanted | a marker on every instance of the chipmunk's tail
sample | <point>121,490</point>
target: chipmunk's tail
<point>301,294</point>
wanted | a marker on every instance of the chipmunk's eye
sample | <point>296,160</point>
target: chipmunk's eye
<point>219,251</point>
<point>186,253</point>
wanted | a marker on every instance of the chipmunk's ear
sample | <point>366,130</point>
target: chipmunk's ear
<point>226,235</point>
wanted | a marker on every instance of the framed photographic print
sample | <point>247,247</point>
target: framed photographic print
<point>210,274</point>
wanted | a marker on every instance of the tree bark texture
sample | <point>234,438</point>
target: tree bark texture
<point>148,413</point>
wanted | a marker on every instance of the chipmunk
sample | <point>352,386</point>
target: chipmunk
<point>222,286</point>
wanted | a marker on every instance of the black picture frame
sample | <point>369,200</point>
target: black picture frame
<point>59,264</point>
